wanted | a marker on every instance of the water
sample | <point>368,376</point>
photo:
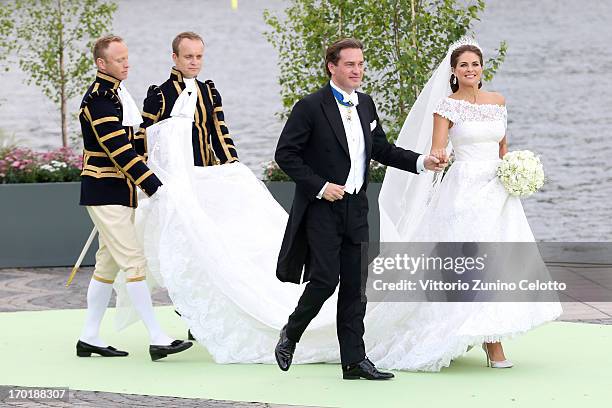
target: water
<point>554,79</point>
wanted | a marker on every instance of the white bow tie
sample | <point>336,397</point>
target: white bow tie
<point>131,113</point>
<point>353,98</point>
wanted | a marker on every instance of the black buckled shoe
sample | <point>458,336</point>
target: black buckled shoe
<point>159,352</point>
<point>284,350</point>
<point>85,350</point>
<point>364,369</point>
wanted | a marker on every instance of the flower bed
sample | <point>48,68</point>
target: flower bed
<point>22,165</point>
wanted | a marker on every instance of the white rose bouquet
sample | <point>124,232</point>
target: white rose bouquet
<point>521,173</point>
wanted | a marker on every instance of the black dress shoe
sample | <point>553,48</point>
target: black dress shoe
<point>284,350</point>
<point>84,350</point>
<point>364,369</point>
<point>159,352</point>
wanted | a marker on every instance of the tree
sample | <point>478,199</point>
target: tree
<point>405,41</point>
<point>54,40</point>
<point>7,32</point>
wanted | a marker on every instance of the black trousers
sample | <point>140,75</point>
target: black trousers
<point>335,232</point>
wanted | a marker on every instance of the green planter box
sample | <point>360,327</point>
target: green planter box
<point>43,225</point>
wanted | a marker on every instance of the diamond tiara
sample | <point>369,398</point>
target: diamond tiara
<point>464,41</point>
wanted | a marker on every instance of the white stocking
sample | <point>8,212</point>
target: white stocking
<point>141,298</point>
<point>98,296</point>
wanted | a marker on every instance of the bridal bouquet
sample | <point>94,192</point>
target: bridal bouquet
<point>521,173</point>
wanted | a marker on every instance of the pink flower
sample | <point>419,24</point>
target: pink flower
<point>16,164</point>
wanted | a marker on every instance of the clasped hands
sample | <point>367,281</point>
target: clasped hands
<point>437,160</point>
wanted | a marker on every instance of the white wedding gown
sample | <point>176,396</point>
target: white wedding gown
<point>470,204</point>
<point>212,236</point>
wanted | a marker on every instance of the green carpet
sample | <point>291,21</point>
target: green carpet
<point>560,364</point>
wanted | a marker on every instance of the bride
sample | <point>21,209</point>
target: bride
<point>213,234</point>
<point>470,204</point>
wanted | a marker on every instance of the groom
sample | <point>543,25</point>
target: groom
<point>326,147</point>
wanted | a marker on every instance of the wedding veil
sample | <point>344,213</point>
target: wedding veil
<point>404,196</point>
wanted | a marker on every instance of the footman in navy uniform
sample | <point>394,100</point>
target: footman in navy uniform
<point>212,143</point>
<point>114,166</point>
<point>210,137</point>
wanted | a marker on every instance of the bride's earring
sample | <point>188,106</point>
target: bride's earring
<point>454,79</point>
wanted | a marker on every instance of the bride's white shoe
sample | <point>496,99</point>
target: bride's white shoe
<point>496,364</point>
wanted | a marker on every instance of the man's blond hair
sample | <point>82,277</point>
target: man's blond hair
<point>102,43</point>
<point>186,34</point>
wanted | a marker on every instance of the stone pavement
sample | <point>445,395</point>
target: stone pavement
<point>43,289</point>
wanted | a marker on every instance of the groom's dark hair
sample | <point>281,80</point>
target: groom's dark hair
<point>333,51</point>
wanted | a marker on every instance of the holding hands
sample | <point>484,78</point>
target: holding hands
<point>437,160</point>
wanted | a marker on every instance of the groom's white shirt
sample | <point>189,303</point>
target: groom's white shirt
<point>356,144</point>
<point>354,138</point>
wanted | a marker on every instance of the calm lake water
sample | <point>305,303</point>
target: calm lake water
<point>555,80</point>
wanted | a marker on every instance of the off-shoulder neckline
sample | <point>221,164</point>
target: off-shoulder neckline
<point>476,104</point>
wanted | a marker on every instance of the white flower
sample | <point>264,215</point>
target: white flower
<point>521,173</point>
<point>48,167</point>
<point>58,164</point>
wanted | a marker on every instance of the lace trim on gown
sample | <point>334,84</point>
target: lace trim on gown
<point>458,111</point>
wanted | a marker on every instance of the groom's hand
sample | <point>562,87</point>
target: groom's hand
<point>434,164</point>
<point>333,192</point>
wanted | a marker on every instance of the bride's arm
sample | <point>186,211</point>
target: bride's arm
<point>439,138</point>
<point>503,144</point>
